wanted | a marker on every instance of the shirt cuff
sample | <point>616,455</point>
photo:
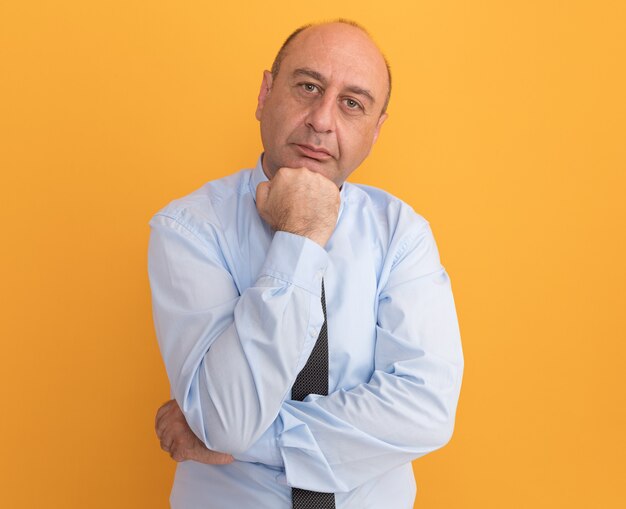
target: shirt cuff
<point>265,449</point>
<point>296,260</point>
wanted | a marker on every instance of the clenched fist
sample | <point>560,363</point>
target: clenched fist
<point>299,201</point>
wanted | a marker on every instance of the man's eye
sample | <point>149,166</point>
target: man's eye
<point>352,104</point>
<point>309,87</point>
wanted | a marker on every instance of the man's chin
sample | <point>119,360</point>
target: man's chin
<point>325,168</point>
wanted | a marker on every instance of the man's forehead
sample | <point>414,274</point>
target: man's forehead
<point>338,50</point>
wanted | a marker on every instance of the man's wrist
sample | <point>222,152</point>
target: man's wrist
<point>297,260</point>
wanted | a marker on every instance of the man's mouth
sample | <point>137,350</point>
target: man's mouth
<point>312,152</point>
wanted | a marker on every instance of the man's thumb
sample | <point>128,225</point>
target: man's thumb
<point>262,193</point>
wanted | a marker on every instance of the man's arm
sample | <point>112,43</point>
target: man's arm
<point>232,359</point>
<point>407,409</point>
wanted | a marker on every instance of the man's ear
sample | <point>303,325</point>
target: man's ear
<point>266,88</point>
<point>382,118</point>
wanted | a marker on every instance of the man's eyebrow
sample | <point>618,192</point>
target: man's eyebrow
<point>305,71</point>
<point>361,91</point>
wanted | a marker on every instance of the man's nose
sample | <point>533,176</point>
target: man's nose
<point>321,116</point>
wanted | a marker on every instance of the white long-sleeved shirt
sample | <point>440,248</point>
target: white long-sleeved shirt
<point>237,311</point>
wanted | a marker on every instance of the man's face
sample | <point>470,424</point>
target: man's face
<point>323,110</point>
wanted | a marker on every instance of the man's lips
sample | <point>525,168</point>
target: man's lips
<point>312,152</point>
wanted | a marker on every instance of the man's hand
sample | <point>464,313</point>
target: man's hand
<point>177,438</point>
<point>299,201</point>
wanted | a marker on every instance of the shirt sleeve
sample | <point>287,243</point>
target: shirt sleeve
<point>231,359</point>
<point>337,442</point>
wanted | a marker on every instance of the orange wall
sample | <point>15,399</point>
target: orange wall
<point>507,131</point>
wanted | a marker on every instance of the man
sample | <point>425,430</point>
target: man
<point>253,272</point>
